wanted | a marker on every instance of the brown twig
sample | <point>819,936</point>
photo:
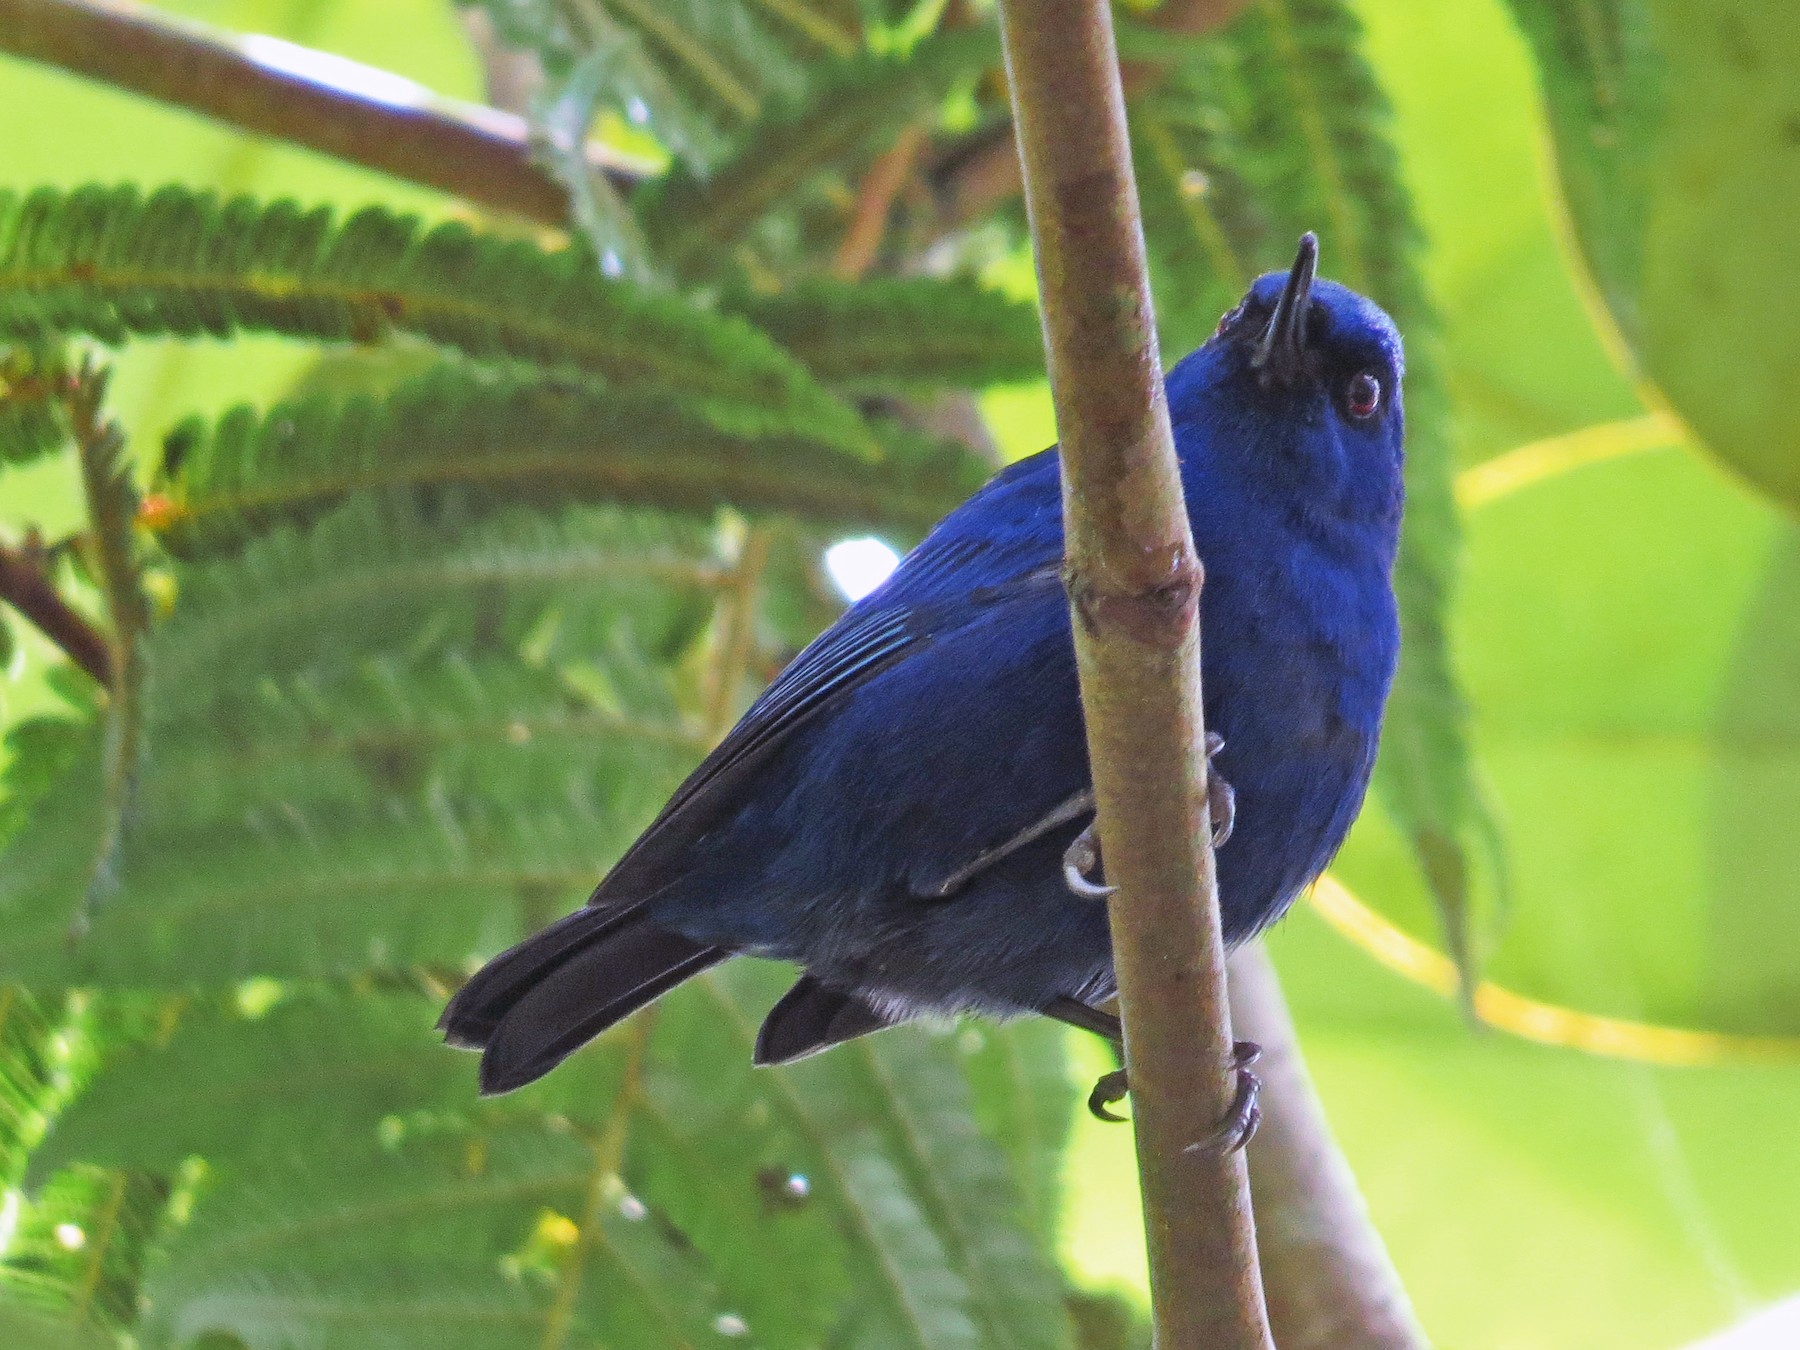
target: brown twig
<point>290,93</point>
<point>482,154</point>
<point>868,224</point>
<point>1134,587</point>
<point>1328,1279</point>
<point>25,585</point>
<point>736,640</point>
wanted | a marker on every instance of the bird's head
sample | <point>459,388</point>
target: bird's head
<point>1300,388</point>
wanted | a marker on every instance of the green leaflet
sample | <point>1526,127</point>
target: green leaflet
<point>924,1271</point>
<point>466,728</point>
<point>385,741</point>
<point>718,54</point>
<point>39,752</point>
<point>890,1219</point>
<point>901,333</point>
<point>696,224</point>
<point>437,1241</point>
<point>394,577</point>
<point>562,118</point>
<point>526,441</point>
<point>32,420</point>
<point>1205,230</point>
<point>1023,1097</point>
<point>77,1257</point>
<point>1605,84</point>
<point>108,262</point>
<point>963,1181</point>
<point>29,1075</point>
<point>689,71</point>
<point>1674,130</point>
<point>1286,130</point>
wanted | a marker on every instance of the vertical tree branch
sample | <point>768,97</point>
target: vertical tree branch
<point>1329,1282</point>
<point>1134,587</point>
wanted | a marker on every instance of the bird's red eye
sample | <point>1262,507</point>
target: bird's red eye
<point>1363,394</point>
<point>1230,319</point>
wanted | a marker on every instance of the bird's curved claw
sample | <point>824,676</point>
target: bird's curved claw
<point>1221,801</point>
<point>1240,1121</point>
<point>1079,859</point>
<point>1111,1088</point>
<point>1239,1125</point>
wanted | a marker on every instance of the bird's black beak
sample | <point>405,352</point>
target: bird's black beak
<point>1283,343</point>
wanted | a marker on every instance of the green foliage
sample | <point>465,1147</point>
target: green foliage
<point>853,110</point>
<point>114,264</point>
<point>891,1219</point>
<point>77,1256</point>
<point>901,333</point>
<point>409,696</point>
<point>510,440</point>
<point>111,495</point>
<point>1674,130</point>
<point>33,422</point>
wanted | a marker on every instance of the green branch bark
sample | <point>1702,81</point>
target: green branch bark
<point>480,154</point>
<point>1134,588</point>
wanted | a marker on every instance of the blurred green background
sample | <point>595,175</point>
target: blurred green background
<point>1628,632</point>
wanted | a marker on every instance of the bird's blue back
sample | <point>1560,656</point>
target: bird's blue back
<point>940,716</point>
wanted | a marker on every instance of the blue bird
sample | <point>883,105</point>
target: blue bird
<point>906,811</point>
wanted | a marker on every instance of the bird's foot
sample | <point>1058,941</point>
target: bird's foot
<point>1082,858</point>
<point>1111,1088</point>
<point>1221,801</point>
<point>1240,1121</point>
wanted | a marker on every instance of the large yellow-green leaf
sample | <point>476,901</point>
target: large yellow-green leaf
<point>1678,144</point>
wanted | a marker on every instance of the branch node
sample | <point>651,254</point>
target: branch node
<point>1162,614</point>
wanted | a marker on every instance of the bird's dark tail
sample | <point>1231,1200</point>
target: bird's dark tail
<point>531,1007</point>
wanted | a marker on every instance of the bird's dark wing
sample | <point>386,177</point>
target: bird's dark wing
<point>964,566</point>
<point>843,658</point>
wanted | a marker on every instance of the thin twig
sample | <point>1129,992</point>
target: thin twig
<point>736,639</point>
<point>603,1182</point>
<point>868,224</point>
<point>112,505</point>
<point>1329,1282</point>
<point>25,585</point>
<point>1134,587</point>
<point>324,103</point>
<point>307,98</point>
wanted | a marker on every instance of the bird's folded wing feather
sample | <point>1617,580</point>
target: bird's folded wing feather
<point>964,567</point>
<point>843,658</point>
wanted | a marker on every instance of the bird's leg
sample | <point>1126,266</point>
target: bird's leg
<point>1232,1133</point>
<point>1074,808</point>
<point>1111,1087</point>
<point>1082,858</point>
